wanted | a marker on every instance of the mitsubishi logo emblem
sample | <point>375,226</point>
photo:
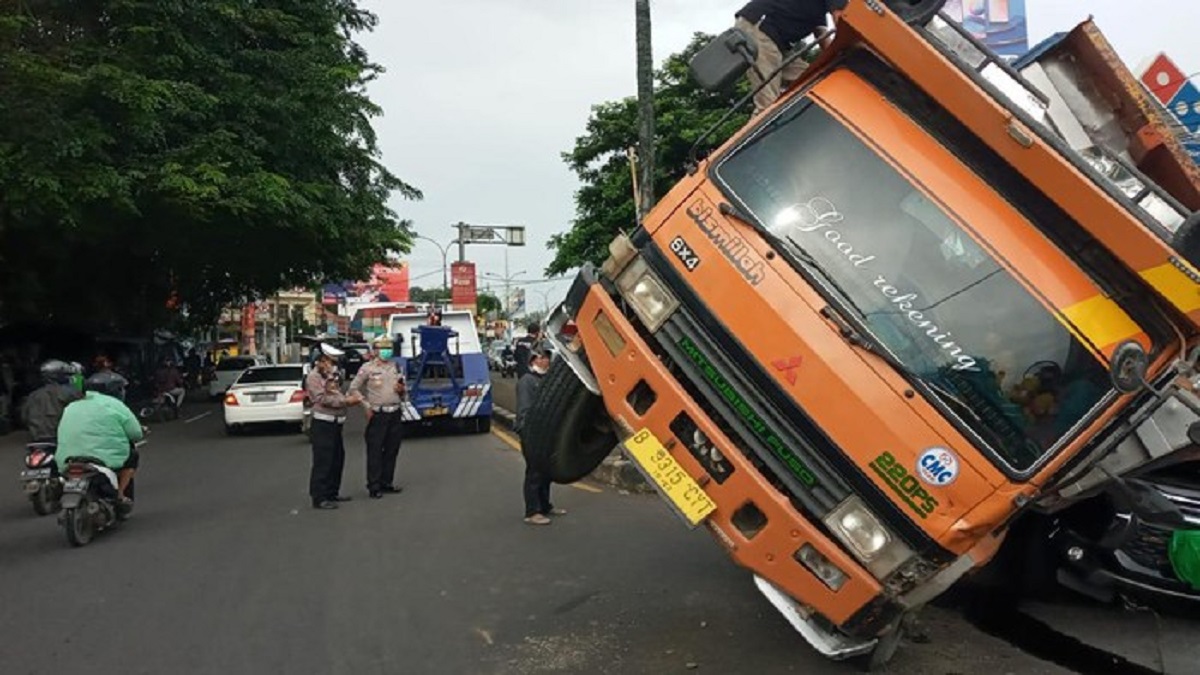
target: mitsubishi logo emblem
<point>788,366</point>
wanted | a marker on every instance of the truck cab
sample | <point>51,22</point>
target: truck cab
<point>879,323</point>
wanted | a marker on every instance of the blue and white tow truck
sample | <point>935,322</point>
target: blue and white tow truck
<point>446,368</point>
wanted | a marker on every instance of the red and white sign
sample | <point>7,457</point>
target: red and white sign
<point>462,285</point>
<point>1163,78</point>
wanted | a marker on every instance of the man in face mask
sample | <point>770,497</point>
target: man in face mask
<point>538,508</point>
<point>382,387</point>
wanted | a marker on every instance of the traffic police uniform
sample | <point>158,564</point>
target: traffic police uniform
<point>382,387</point>
<point>328,449</point>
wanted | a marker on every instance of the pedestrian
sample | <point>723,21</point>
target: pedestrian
<point>382,387</point>
<point>329,407</point>
<point>776,26</point>
<point>538,508</point>
<point>524,348</point>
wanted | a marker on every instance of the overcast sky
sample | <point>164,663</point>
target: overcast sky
<point>482,96</point>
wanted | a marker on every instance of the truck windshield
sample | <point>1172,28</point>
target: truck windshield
<point>1003,364</point>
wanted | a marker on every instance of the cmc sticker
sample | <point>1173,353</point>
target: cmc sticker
<point>937,466</point>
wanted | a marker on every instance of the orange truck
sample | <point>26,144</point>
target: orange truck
<point>893,313</point>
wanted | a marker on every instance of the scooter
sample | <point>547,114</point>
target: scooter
<point>91,501</point>
<point>43,485</point>
<point>163,407</point>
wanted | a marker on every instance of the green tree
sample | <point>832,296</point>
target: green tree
<point>156,155</point>
<point>604,204</point>
<point>486,303</point>
<point>428,295</point>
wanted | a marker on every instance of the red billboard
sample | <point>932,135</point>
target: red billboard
<point>462,285</point>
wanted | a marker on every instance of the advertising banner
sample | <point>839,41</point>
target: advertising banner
<point>386,284</point>
<point>1000,24</point>
<point>462,285</point>
<point>1179,95</point>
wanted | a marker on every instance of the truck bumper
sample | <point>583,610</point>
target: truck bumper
<point>613,360</point>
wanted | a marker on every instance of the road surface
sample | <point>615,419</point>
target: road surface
<point>225,569</point>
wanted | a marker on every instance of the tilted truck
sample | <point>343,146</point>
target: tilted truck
<point>890,315</point>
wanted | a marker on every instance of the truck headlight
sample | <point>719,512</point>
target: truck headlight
<point>874,546</point>
<point>650,299</point>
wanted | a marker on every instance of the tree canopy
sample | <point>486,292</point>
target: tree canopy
<point>604,203</point>
<point>158,154</point>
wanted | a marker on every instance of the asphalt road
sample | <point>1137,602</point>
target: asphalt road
<point>225,569</point>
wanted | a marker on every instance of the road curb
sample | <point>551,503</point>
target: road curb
<point>615,470</point>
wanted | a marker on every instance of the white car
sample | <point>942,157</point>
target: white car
<point>229,369</point>
<point>266,394</point>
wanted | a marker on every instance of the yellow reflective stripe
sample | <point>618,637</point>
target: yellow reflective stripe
<point>1178,288</point>
<point>1101,321</point>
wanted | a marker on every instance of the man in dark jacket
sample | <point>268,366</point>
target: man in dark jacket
<point>43,409</point>
<point>777,26</point>
<point>537,485</point>
<point>525,346</point>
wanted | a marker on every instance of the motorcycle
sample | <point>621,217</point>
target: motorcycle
<point>161,408</point>
<point>42,482</point>
<point>90,501</point>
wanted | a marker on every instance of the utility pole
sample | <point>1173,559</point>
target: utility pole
<point>645,78</point>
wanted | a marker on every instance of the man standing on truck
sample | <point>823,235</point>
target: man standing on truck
<point>538,508</point>
<point>777,26</point>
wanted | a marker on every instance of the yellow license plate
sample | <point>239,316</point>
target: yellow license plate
<point>681,491</point>
<point>437,412</point>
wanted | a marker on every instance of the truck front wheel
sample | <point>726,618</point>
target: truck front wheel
<point>567,432</point>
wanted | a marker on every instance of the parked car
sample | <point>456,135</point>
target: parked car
<point>263,394</point>
<point>229,370</point>
<point>1104,550</point>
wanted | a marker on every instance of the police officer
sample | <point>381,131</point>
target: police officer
<point>328,416</point>
<point>382,386</point>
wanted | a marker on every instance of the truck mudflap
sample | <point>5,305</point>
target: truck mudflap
<point>831,644</point>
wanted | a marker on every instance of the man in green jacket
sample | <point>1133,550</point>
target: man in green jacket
<point>100,426</point>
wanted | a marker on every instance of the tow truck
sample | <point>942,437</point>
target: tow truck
<point>892,314</point>
<point>447,372</point>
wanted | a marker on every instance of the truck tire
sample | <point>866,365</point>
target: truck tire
<point>567,432</point>
<point>915,12</point>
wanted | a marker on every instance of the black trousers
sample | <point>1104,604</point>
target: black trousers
<point>537,491</point>
<point>384,433</point>
<point>328,460</point>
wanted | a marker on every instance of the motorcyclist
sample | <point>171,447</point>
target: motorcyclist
<point>102,427</point>
<point>104,369</point>
<point>167,380</point>
<point>43,408</point>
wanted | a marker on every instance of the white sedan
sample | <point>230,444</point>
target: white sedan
<point>229,369</point>
<point>266,394</point>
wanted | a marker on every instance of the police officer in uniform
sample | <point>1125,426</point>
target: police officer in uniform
<point>381,385</point>
<point>329,407</point>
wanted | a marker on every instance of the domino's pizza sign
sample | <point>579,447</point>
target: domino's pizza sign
<point>1179,95</point>
<point>938,467</point>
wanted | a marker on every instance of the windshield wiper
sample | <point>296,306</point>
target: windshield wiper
<point>730,211</point>
<point>862,339</point>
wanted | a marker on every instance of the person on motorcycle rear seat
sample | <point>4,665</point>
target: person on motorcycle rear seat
<point>101,427</point>
<point>44,407</point>
<point>168,380</point>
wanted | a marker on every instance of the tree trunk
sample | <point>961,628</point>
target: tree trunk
<point>645,77</point>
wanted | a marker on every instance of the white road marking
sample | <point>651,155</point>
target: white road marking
<point>197,417</point>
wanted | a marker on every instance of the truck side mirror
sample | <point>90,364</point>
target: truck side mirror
<point>915,12</point>
<point>1128,367</point>
<point>722,62</point>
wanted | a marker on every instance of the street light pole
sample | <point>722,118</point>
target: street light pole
<point>507,279</point>
<point>445,253</point>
